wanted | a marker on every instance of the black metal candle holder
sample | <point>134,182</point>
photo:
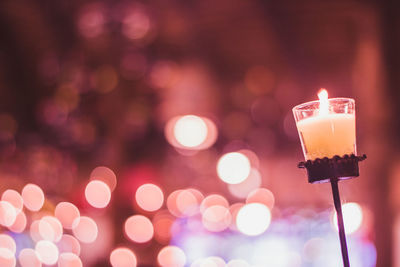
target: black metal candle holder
<point>333,170</point>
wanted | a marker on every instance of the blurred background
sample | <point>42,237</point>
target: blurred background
<point>168,126</point>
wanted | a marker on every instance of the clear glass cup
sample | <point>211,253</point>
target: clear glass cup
<point>326,134</point>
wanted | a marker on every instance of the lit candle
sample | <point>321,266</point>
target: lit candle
<point>326,127</point>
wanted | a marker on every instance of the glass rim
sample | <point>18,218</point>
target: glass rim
<point>302,105</point>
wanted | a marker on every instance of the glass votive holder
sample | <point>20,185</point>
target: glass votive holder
<point>326,129</point>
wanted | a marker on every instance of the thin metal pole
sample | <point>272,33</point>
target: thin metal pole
<point>342,234</point>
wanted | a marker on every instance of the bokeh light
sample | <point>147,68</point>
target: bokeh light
<point>14,198</point>
<point>263,196</point>
<point>197,193</point>
<point>233,168</point>
<point>7,258</point>
<point>352,217</point>
<point>97,194</point>
<point>171,256</point>
<point>242,190</point>
<point>8,214</point>
<point>163,222</point>
<point>213,200</point>
<point>68,243</point>
<point>252,156</point>
<point>139,229</point>
<point>85,229</point>
<point>237,263</point>
<point>33,197</point>
<point>190,131</point>
<point>213,261</point>
<point>8,242</point>
<point>187,203</point>
<point>105,79</point>
<point>216,218</point>
<point>68,259</point>
<point>50,228</point>
<point>34,231</point>
<point>19,224</point>
<point>234,209</point>
<point>314,249</point>
<point>172,204</point>
<point>29,258</point>
<point>253,219</point>
<point>136,24</point>
<point>47,252</point>
<point>106,175</point>
<point>66,213</point>
<point>123,257</point>
<point>149,197</point>
<point>91,21</point>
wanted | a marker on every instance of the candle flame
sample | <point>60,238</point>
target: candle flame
<point>323,102</point>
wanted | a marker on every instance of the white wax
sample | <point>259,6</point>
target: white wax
<point>328,135</point>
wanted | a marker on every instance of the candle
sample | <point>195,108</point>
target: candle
<point>326,127</point>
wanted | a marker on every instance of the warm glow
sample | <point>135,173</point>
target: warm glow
<point>85,229</point>
<point>123,257</point>
<point>7,258</point>
<point>34,231</point>
<point>139,228</point>
<point>171,256</point>
<point>323,102</point>
<point>136,24</point>
<point>91,22</point>
<point>212,262</point>
<point>149,197</point>
<point>197,263</point>
<point>8,214</point>
<point>33,197</point>
<point>50,228</point>
<point>237,263</point>
<point>253,219</point>
<point>187,203</point>
<point>241,190</point>
<point>352,217</point>
<point>98,194</point>
<point>172,204</point>
<point>106,175</point>
<point>314,248</point>
<point>234,210</point>
<point>163,222</point>
<point>216,218</point>
<point>233,168</point>
<point>29,258</point>
<point>68,259</point>
<point>47,252</point>
<point>182,203</point>
<point>68,243</point>
<point>199,196</point>
<point>66,213</point>
<point>7,242</point>
<point>253,158</point>
<point>190,131</point>
<point>14,198</point>
<point>19,224</point>
<point>213,200</point>
<point>263,196</point>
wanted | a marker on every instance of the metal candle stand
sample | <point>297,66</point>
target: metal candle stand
<point>333,170</point>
